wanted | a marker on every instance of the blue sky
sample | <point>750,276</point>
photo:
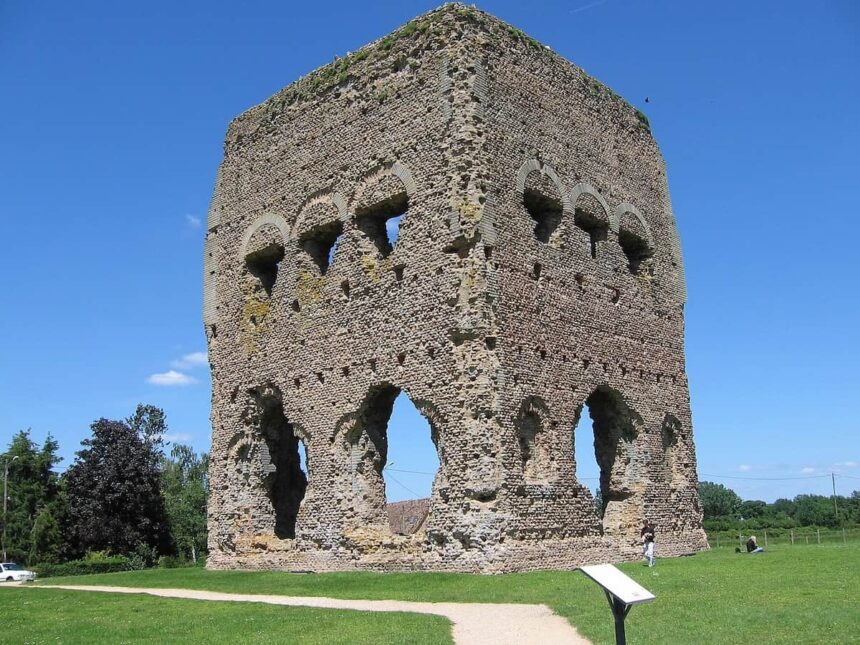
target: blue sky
<point>112,119</point>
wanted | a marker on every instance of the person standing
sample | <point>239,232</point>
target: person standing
<point>648,535</point>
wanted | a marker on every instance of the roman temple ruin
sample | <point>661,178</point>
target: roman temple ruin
<point>536,277</point>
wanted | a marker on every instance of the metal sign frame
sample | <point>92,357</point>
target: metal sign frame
<point>621,591</point>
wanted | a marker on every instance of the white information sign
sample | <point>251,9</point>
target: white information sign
<point>619,585</point>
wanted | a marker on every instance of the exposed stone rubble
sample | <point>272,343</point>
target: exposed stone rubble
<point>536,276</point>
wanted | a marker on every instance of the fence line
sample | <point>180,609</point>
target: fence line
<point>805,536</point>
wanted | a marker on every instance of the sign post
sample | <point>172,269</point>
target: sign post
<point>621,591</point>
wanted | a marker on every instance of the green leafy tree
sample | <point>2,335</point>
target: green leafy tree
<point>717,500</point>
<point>753,508</point>
<point>185,487</point>
<point>113,488</point>
<point>815,510</point>
<point>783,506</point>
<point>46,538</point>
<point>150,424</point>
<point>33,498</point>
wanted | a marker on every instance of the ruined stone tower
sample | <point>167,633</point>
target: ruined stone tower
<point>536,277</point>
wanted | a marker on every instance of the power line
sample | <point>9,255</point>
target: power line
<point>411,472</point>
<point>396,481</point>
<point>765,478</point>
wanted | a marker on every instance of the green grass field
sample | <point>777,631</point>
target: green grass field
<point>40,616</point>
<point>790,594</point>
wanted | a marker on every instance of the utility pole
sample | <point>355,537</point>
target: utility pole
<point>835,507</point>
<point>6,498</point>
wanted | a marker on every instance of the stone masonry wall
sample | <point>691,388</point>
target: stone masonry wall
<point>536,270</point>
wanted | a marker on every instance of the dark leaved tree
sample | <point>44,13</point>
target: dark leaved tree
<point>113,488</point>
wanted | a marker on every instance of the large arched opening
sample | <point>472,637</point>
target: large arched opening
<point>394,454</point>
<point>604,443</point>
<point>278,455</point>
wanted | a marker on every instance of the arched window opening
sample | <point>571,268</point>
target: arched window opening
<point>590,216</point>
<point>394,450</point>
<point>381,221</point>
<point>587,469</point>
<point>670,432</point>
<point>533,440</point>
<point>284,473</point>
<point>542,200</point>
<point>263,264</point>
<point>614,429</point>
<point>545,211</point>
<point>303,459</point>
<point>392,229</point>
<point>637,250</point>
<point>320,243</point>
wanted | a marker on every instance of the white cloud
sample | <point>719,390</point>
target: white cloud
<point>193,221</point>
<point>189,361</point>
<point>178,437</point>
<point>744,468</point>
<point>171,378</point>
<point>808,470</point>
<point>847,464</point>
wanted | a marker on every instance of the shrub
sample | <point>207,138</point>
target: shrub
<point>173,562</point>
<point>83,567</point>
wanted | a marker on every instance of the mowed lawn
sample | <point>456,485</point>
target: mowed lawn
<point>41,616</point>
<point>790,594</point>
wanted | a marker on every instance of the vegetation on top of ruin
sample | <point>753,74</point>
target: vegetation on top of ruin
<point>339,72</point>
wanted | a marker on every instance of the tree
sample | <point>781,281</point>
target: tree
<point>717,500</point>
<point>46,539</point>
<point>149,423</point>
<point>815,510</point>
<point>33,493</point>
<point>599,509</point>
<point>753,508</point>
<point>784,506</point>
<point>113,488</point>
<point>185,487</point>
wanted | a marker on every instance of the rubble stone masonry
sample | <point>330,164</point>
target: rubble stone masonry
<point>536,277</point>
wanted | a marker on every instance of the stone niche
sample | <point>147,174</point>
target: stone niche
<point>456,213</point>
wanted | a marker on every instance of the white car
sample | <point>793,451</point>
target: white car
<point>9,571</point>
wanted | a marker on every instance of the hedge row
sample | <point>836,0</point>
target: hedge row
<point>85,567</point>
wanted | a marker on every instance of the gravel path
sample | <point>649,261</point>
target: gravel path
<point>474,623</point>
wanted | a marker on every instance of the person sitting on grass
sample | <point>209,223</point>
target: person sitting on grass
<point>752,546</point>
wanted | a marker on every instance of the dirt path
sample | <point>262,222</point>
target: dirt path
<point>474,623</point>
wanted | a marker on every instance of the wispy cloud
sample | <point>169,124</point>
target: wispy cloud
<point>846,464</point>
<point>808,470</point>
<point>171,378</point>
<point>177,437</point>
<point>190,361</point>
<point>590,5</point>
<point>744,468</point>
<point>193,221</point>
